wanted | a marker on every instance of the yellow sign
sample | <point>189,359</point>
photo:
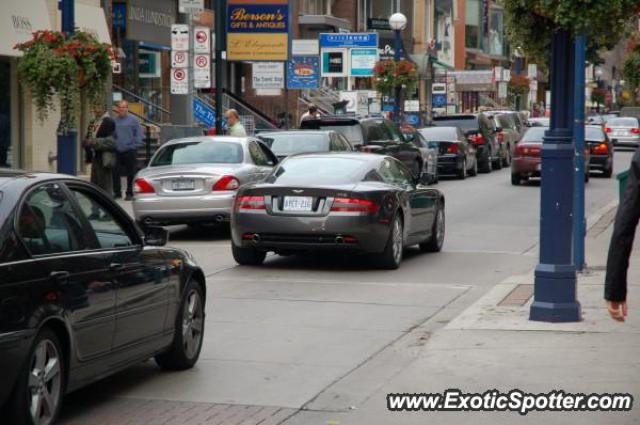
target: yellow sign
<point>266,47</point>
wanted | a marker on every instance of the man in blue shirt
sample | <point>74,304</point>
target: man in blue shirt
<point>128,138</point>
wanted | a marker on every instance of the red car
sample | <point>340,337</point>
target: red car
<point>527,161</point>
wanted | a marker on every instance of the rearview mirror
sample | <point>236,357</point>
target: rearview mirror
<point>156,236</point>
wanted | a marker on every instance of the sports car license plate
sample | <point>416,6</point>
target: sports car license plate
<point>297,203</point>
<point>183,184</point>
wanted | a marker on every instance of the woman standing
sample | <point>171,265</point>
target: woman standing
<point>100,150</point>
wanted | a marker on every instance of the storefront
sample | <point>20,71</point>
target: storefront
<point>18,20</point>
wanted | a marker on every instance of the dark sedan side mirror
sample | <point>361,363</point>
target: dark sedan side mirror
<point>156,236</point>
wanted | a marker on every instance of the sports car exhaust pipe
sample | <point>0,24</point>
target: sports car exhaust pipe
<point>219,218</point>
<point>148,220</point>
<point>255,238</point>
<point>339,239</point>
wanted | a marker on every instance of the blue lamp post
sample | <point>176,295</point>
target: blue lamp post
<point>555,276</point>
<point>397,22</point>
<point>67,144</point>
<point>579,133</point>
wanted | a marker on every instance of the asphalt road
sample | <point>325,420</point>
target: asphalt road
<point>281,337</point>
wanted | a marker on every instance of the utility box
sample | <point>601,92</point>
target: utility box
<point>622,183</point>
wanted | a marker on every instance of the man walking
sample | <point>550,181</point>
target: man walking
<point>624,231</point>
<point>311,114</point>
<point>128,137</point>
<point>236,129</point>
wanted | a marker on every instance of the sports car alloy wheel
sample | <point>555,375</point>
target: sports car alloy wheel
<point>192,324</point>
<point>45,383</point>
<point>397,241</point>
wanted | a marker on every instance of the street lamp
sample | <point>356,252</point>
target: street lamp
<point>397,22</point>
<point>67,146</point>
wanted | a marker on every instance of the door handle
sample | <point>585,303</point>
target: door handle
<point>115,267</point>
<point>61,276</point>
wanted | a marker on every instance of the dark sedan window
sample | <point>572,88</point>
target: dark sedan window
<point>595,134</point>
<point>443,134</point>
<point>312,170</point>
<point>465,124</point>
<point>287,144</point>
<point>48,223</point>
<point>393,173</point>
<point>204,152</point>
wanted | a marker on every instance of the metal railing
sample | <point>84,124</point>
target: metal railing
<point>153,111</point>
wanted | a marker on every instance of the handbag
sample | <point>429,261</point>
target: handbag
<point>109,159</point>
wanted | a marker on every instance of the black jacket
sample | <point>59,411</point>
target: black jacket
<point>624,231</point>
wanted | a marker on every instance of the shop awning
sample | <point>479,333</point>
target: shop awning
<point>91,19</point>
<point>18,20</point>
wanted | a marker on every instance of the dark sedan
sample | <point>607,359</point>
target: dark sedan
<point>601,148</point>
<point>351,202</point>
<point>456,156</point>
<point>285,143</point>
<point>84,294</point>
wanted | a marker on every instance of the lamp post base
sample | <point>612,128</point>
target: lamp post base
<point>67,153</point>
<point>555,297</point>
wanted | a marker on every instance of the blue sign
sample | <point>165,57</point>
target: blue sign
<point>351,39</point>
<point>412,119</point>
<point>261,18</point>
<point>203,113</point>
<point>119,16</point>
<point>439,100</point>
<point>388,104</point>
<point>303,72</point>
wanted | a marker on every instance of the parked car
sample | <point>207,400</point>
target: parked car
<point>352,202</point>
<point>194,180</point>
<point>456,156</point>
<point>372,135</point>
<point>481,133</point>
<point>527,162</point>
<point>85,294</point>
<point>507,133</point>
<point>601,149</point>
<point>429,154</point>
<point>623,131</point>
<point>285,143</point>
<point>539,122</point>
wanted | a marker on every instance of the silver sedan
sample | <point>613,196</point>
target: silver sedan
<point>194,180</point>
<point>623,131</point>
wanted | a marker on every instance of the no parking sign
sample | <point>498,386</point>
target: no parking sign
<point>201,42</point>
<point>202,71</point>
<point>179,81</point>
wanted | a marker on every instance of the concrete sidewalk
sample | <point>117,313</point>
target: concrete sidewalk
<point>494,346</point>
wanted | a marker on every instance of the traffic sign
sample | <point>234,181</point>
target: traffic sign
<point>203,113</point>
<point>179,81</point>
<point>201,42</point>
<point>201,71</point>
<point>179,59</point>
<point>180,37</point>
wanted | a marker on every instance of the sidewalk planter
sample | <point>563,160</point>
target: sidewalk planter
<point>622,182</point>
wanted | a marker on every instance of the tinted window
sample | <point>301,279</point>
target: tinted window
<point>257,155</point>
<point>439,134</point>
<point>287,144</point>
<point>48,223</point>
<point>109,232</point>
<point>394,131</point>
<point>353,133</point>
<point>318,170</point>
<point>464,123</point>
<point>204,152</point>
<point>535,134</point>
<point>392,172</point>
<point>594,134</point>
<point>376,132</point>
<point>622,122</point>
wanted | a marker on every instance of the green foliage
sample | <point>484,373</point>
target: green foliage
<point>390,75</point>
<point>54,64</point>
<point>632,69</point>
<point>530,23</point>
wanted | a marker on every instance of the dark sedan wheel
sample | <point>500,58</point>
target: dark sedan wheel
<point>391,257</point>
<point>189,331</point>
<point>474,170</point>
<point>462,172</point>
<point>247,256</point>
<point>38,394</point>
<point>487,166</point>
<point>515,179</point>
<point>436,241</point>
<point>497,163</point>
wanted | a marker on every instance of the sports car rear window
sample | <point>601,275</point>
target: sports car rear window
<point>313,170</point>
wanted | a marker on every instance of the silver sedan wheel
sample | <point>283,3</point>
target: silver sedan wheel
<point>440,228</point>
<point>192,324</point>
<point>45,383</point>
<point>397,241</point>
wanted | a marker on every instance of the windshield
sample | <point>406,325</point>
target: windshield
<point>622,122</point>
<point>318,171</point>
<point>202,152</point>
<point>463,123</point>
<point>534,135</point>
<point>287,144</point>
<point>435,134</point>
<point>594,133</point>
<point>353,133</point>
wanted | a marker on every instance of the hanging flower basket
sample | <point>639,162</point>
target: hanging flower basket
<point>390,75</point>
<point>61,67</point>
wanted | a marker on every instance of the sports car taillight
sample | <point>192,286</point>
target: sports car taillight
<point>143,186</point>
<point>601,149</point>
<point>477,139</point>
<point>226,183</point>
<point>354,205</point>
<point>250,203</point>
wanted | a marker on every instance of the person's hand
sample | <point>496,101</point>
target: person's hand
<point>617,310</point>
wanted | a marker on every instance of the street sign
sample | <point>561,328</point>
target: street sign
<point>532,70</point>
<point>190,6</point>
<point>363,61</point>
<point>439,88</point>
<point>268,75</point>
<point>378,24</point>
<point>412,119</point>
<point>352,39</point>
<point>201,71</point>
<point>305,48</point>
<point>412,106</point>
<point>203,113</point>
<point>201,40</point>
<point>179,81</point>
<point>439,100</point>
<point>179,59</point>
<point>180,37</point>
<point>333,62</point>
<point>303,72</point>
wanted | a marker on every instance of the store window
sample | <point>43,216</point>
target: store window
<point>473,24</point>
<point>314,7</point>
<point>496,33</point>
<point>7,157</point>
